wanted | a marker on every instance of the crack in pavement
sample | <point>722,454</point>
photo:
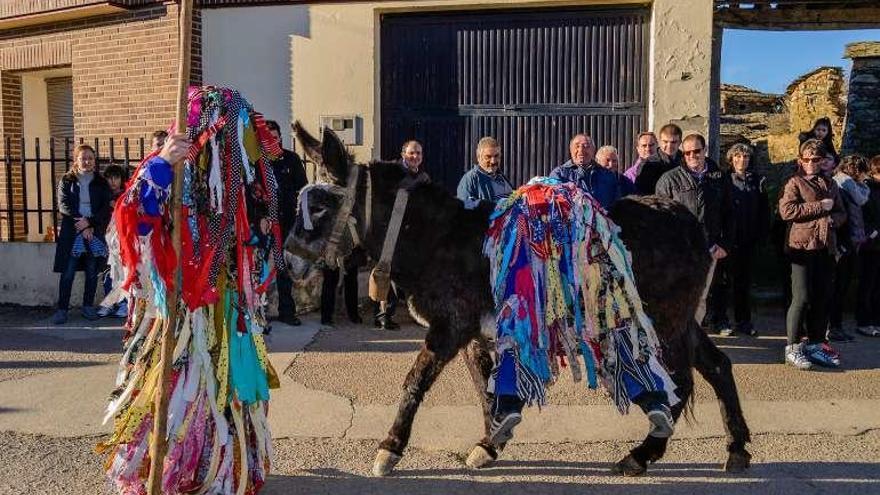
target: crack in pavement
<point>350,418</point>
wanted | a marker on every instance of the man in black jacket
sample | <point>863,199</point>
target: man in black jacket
<point>704,190</point>
<point>290,176</point>
<point>666,158</point>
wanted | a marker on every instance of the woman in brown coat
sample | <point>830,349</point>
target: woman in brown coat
<point>812,208</point>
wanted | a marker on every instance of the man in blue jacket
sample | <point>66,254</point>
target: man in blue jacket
<point>583,170</point>
<point>485,181</point>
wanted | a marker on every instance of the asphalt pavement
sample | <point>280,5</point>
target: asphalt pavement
<point>813,432</point>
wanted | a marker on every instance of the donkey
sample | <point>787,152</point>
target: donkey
<point>438,261</point>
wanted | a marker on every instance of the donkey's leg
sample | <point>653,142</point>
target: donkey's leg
<point>716,368</point>
<point>478,358</point>
<point>653,448</point>
<point>436,352</point>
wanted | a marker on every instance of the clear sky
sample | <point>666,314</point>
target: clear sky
<point>769,60</point>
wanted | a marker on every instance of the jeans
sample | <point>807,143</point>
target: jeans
<point>328,294</point>
<point>107,282</point>
<point>811,279</point>
<point>868,294</point>
<point>65,285</point>
<point>740,264</point>
<point>719,294</point>
<point>286,304</point>
<point>843,273</point>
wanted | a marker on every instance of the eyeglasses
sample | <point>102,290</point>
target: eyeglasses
<point>814,159</point>
<point>695,152</point>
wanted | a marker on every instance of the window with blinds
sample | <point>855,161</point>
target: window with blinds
<point>59,93</point>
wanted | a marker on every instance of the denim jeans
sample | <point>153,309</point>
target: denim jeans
<point>65,285</point>
<point>811,285</point>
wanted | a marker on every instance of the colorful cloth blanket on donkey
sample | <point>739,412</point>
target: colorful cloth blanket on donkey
<point>563,284</point>
<point>218,433</point>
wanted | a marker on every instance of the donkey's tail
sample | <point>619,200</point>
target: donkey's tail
<point>691,340</point>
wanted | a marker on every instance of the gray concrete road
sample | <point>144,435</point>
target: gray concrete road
<point>813,432</point>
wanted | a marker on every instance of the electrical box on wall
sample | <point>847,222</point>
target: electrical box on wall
<point>347,127</point>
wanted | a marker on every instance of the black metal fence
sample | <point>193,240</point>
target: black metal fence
<point>29,174</point>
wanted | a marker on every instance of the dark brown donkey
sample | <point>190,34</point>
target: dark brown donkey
<point>438,261</point>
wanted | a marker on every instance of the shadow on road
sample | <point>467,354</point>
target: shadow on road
<point>795,478</point>
<point>766,348</point>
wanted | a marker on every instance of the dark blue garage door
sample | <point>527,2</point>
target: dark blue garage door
<point>530,78</point>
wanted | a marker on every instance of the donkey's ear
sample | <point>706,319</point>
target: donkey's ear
<point>311,146</point>
<point>336,159</point>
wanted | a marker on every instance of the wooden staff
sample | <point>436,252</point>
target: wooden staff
<point>158,443</point>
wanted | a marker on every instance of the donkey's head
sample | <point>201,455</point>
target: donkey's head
<point>319,204</point>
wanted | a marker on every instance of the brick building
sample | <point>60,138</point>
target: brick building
<point>84,69</point>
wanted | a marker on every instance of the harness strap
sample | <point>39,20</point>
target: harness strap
<point>342,217</point>
<point>368,202</point>
<point>380,278</point>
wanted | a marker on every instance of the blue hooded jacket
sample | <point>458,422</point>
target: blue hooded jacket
<point>601,183</point>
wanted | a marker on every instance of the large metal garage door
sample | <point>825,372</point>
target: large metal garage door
<point>529,78</point>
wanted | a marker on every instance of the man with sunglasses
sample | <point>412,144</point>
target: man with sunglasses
<point>703,189</point>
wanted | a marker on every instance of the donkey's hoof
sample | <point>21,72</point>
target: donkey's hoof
<point>738,462</point>
<point>385,462</point>
<point>629,466</point>
<point>480,457</point>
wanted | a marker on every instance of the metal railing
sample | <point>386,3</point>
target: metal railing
<point>28,199</point>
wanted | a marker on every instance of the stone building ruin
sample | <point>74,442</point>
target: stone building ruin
<point>862,130</point>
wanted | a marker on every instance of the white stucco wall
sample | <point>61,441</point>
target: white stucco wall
<point>336,66</point>
<point>247,48</point>
<point>681,63</point>
<point>28,279</point>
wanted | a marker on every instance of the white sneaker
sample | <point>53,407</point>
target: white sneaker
<point>869,331</point>
<point>794,355</point>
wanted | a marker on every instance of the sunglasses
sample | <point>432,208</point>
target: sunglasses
<point>814,159</point>
<point>695,152</point>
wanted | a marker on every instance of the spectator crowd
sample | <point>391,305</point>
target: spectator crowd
<point>825,227</point>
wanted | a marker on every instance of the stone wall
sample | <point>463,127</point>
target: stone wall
<point>738,100</point>
<point>820,93</point>
<point>862,132</point>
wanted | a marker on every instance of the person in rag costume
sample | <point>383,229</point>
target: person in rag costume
<point>564,293</point>
<point>218,438</point>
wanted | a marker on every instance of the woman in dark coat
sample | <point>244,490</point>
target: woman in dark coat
<point>84,203</point>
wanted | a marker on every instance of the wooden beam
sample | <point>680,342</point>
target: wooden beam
<point>158,446</point>
<point>99,9</point>
<point>800,18</point>
<point>735,5</point>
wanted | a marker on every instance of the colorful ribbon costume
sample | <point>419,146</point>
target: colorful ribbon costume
<point>218,433</point>
<point>563,284</point>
